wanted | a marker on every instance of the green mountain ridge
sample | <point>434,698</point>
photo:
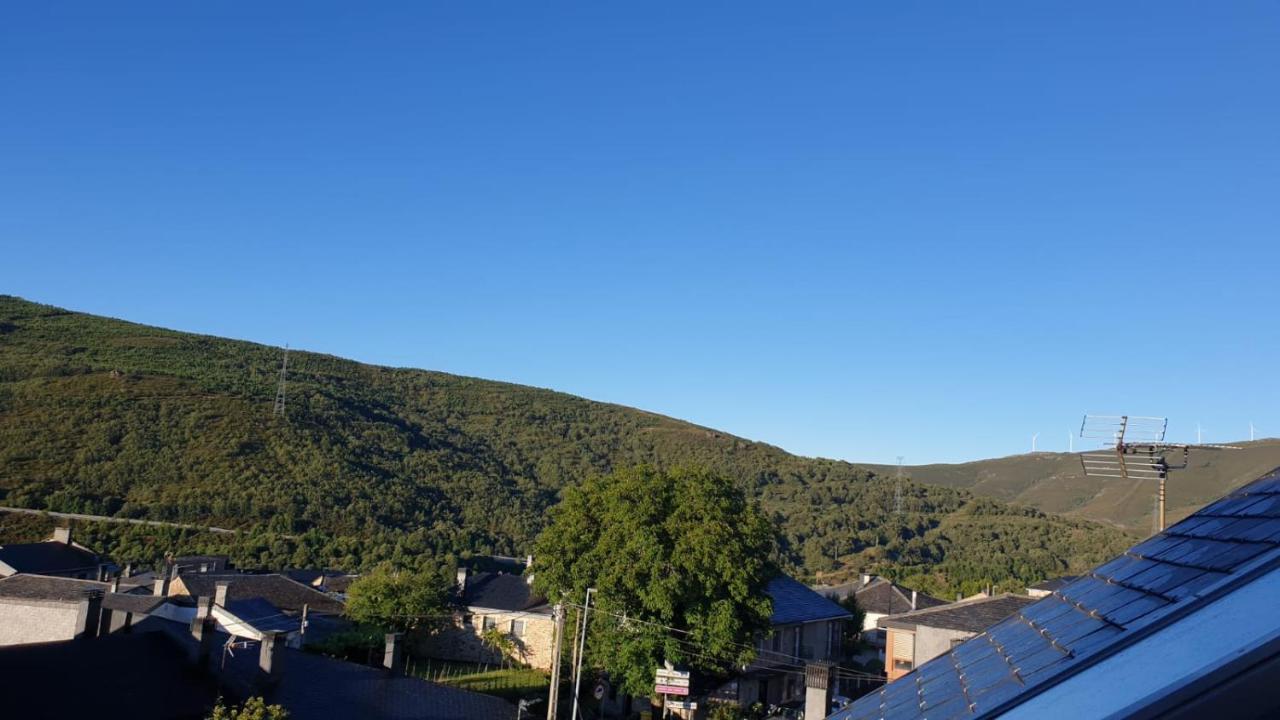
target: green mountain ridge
<point>376,464</point>
<point>1055,483</point>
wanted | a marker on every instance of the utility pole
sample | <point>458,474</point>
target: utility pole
<point>557,644</point>
<point>582,648</point>
<point>897,490</point>
<point>278,410</point>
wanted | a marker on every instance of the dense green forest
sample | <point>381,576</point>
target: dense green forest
<point>370,463</point>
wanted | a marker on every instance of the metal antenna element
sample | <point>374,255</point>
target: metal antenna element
<point>897,490</point>
<point>1133,448</point>
<point>278,410</point>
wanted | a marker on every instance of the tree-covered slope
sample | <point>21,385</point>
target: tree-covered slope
<point>108,417</point>
<point>1055,483</point>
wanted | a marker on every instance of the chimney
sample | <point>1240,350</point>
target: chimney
<point>115,584</point>
<point>202,631</point>
<point>817,690</point>
<point>914,595</point>
<point>462,581</point>
<point>220,593</point>
<point>391,657</point>
<point>866,579</point>
<point>162,586</point>
<point>89,615</point>
<point>62,535</point>
<point>128,570</point>
<point>204,606</point>
<point>269,656</point>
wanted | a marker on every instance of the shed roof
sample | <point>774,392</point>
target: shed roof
<point>1139,595</point>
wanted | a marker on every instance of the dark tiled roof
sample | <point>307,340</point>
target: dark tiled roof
<point>314,687</point>
<point>45,587</point>
<point>262,615</point>
<point>86,678</point>
<point>1222,547</point>
<point>887,598</point>
<point>793,602</point>
<point>46,557</point>
<point>138,604</point>
<point>500,591</point>
<point>1054,584</point>
<point>275,589</point>
<point>972,615</point>
<point>339,583</point>
<point>59,589</point>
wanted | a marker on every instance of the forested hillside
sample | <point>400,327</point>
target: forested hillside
<point>1055,483</point>
<point>370,463</point>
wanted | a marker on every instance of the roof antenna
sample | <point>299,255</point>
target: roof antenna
<point>1133,448</point>
<point>278,410</point>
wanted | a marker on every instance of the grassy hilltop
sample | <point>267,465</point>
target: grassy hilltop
<point>372,463</point>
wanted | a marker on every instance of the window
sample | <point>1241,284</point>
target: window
<point>517,628</point>
<point>488,623</point>
<point>900,664</point>
<point>957,641</point>
<point>467,620</point>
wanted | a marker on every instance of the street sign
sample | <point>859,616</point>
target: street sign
<point>671,682</point>
<point>683,705</point>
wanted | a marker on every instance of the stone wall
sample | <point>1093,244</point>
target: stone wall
<point>33,621</point>
<point>461,641</point>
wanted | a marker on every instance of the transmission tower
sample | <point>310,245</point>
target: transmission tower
<point>278,410</point>
<point>897,490</point>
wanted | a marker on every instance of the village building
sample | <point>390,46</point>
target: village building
<point>914,638</point>
<point>496,605</point>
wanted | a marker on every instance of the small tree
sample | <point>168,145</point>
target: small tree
<point>254,708</point>
<point>499,642</point>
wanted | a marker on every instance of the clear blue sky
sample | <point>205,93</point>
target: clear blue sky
<point>857,230</point>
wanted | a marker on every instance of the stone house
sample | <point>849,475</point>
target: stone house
<point>495,601</point>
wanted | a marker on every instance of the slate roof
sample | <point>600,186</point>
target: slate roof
<point>314,687</point>
<point>794,602</point>
<point>262,615</point>
<point>888,598</point>
<point>1222,547</point>
<point>47,587</point>
<point>971,615</point>
<point>500,591</point>
<point>86,678</point>
<point>46,557</point>
<point>60,589</point>
<point>276,589</point>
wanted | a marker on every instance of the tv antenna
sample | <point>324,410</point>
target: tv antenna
<point>278,410</point>
<point>897,490</point>
<point>1134,448</point>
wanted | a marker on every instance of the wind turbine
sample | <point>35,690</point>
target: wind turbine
<point>1199,438</point>
<point>1033,441</point>
<point>1071,441</point>
<point>1251,431</point>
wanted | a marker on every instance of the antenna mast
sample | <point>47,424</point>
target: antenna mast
<point>278,410</point>
<point>1134,449</point>
<point>897,490</point>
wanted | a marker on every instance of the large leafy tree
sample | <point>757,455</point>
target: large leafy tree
<point>679,561</point>
<point>399,600</point>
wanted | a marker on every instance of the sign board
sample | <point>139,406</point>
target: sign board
<point>671,682</point>
<point>683,705</point>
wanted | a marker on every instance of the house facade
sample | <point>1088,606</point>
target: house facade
<point>806,627</point>
<point>501,606</point>
<point>914,638</point>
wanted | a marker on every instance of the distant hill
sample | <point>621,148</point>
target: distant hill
<point>1055,483</point>
<point>371,464</point>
